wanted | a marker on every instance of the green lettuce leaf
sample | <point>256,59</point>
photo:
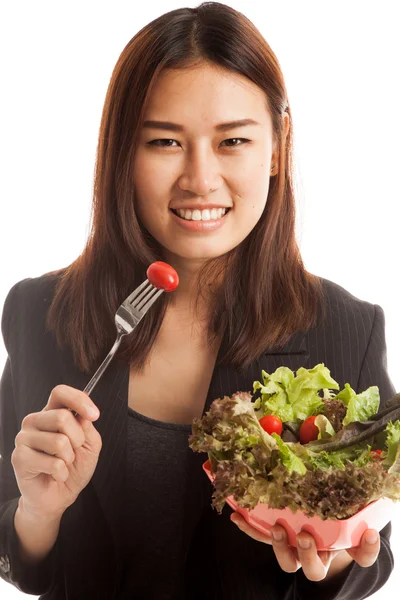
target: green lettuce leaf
<point>316,378</point>
<point>283,375</point>
<point>359,456</point>
<point>392,460</point>
<point>274,399</point>
<point>325,427</point>
<point>303,391</point>
<point>346,394</point>
<point>292,462</point>
<point>362,406</point>
<point>292,397</point>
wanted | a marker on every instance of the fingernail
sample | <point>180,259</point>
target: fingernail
<point>92,412</point>
<point>277,535</point>
<point>371,537</point>
<point>303,543</point>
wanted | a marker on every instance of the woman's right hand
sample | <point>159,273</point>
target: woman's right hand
<point>56,453</point>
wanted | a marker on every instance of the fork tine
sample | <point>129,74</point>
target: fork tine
<point>140,304</point>
<point>151,301</point>
<point>136,292</point>
<point>143,295</point>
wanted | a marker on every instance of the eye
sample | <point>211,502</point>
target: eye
<point>160,144</point>
<point>241,140</point>
<point>165,143</point>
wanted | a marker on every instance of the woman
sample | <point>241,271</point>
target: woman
<point>121,509</point>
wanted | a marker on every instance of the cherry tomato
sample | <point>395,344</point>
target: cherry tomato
<point>308,430</point>
<point>163,276</point>
<point>271,424</point>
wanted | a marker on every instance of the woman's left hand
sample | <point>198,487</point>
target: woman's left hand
<point>315,564</point>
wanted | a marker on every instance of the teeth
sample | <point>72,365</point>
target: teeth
<point>201,215</point>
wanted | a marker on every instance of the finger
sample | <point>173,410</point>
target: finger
<point>314,566</point>
<point>29,463</point>
<point>57,421</point>
<point>65,396</point>
<point>266,538</point>
<point>285,555</point>
<point>55,444</point>
<point>367,552</point>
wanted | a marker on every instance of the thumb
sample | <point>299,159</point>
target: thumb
<point>93,437</point>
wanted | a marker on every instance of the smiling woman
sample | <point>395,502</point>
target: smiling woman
<point>178,76</point>
<point>120,508</point>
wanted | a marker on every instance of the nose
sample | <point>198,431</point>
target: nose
<point>199,173</point>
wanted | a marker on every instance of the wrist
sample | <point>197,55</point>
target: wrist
<point>36,516</point>
<point>36,534</point>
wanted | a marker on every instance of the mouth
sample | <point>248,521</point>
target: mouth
<point>213,214</point>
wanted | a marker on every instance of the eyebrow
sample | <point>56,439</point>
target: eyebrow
<point>166,125</point>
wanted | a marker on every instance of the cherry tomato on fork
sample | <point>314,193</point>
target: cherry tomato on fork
<point>163,276</point>
<point>271,424</point>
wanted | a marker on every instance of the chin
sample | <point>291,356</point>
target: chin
<point>200,254</point>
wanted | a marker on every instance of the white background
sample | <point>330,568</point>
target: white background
<point>340,63</point>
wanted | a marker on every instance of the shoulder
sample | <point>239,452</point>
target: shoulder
<point>339,300</point>
<point>28,301</point>
<point>337,293</point>
<point>348,314</point>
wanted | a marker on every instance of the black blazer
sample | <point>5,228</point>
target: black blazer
<point>84,563</point>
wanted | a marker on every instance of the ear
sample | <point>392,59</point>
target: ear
<point>286,123</point>
<point>275,154</point>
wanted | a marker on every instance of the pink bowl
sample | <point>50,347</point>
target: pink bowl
<point>329,534</point>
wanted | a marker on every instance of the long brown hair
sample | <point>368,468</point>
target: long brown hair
<point>267,294</point>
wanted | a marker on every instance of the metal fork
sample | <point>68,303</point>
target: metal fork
<point>128,315</point>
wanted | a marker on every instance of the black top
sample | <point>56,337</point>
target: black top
<point>217,559</point>
<point>157,534</point>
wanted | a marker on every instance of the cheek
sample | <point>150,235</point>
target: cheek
<point>145,177</point>
<point>259,177</point>
<point>253,191</point>
<point>151,171</point>
<point>152,185</point>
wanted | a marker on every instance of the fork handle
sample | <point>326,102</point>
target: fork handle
<point>90,386</point>
<point>92,383</point>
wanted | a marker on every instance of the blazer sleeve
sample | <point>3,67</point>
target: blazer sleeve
<point>357,583</point>
<point>36,579</point>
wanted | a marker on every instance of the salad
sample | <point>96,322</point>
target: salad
<point>301,442</point>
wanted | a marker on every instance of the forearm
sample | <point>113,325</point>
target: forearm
<point>36,537</point>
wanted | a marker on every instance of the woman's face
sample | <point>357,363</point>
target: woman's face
<point>184,153</point>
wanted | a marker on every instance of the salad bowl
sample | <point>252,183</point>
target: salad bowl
<point>305,454</point>
<point>329,534</point>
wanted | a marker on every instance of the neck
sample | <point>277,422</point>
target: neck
<point>186,293</point>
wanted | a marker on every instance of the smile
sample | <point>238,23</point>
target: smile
<point>200,215</point>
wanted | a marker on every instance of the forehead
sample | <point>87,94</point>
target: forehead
<point>206,92</point>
